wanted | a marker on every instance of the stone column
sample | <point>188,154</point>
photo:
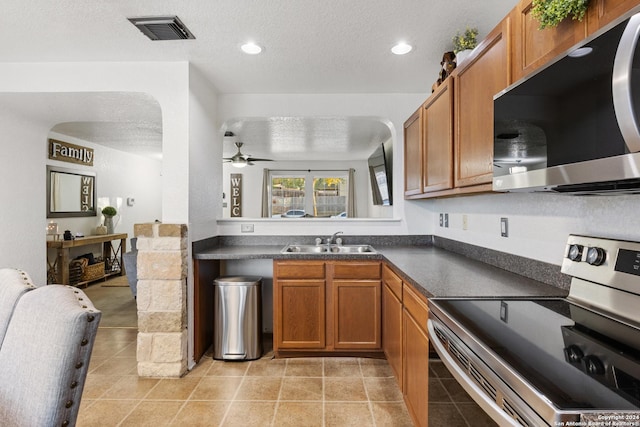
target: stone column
<point>162,299</point>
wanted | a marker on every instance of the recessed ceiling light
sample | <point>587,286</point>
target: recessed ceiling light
<point>251,48</point>
<point>401,48</point>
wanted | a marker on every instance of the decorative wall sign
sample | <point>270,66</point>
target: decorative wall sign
<point>67,152</point>
<point>236,195</point>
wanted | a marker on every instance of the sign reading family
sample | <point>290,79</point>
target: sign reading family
<point>67,152</point>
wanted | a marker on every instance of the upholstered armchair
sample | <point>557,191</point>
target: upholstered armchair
<point>45,351</point>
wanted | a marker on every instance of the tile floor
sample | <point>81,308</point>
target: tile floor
<point>266,392</point>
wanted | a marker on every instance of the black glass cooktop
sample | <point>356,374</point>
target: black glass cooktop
<point>575,357</point>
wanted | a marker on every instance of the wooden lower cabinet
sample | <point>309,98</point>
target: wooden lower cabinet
<point>392,321</point>
<point>356,314</point>
<point>327,306</point>
<point>301,317</point>
<point>415,373</point>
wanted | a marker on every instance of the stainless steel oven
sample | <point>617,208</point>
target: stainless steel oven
<point>553,361</point>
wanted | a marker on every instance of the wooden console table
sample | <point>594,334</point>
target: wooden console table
<point>109,252</point>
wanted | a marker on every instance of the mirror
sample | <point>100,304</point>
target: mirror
<point>70,193</point>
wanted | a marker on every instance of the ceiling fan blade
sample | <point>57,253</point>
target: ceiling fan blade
<point>254,159</point>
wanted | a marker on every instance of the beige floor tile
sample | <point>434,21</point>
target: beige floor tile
<point>299,414</point>
<point>376,370</point>
<point>347,414</point>
<point>228,369</point>
<point>267,368</point>
<point>129,351</point>
<point>344,389</point>
<point>391,414</point>
<point>475,416</point>
<point>96,385</point>
<point>131,387</point>
<point>244,414</point>
<point>444,415</point>
<point>201,368</point>
<point>201,414</point>
<point>117,366</point>
<point>216,388</point>
<point>259,388</point>
<point>105,413</point>
<point>306,367</point>
<point>152,414</point>
<point>299,388</point>
<point>173,389</point>
<point>382,389</point>
<point>342,367</point>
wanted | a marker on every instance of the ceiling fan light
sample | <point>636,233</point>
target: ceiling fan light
<point>251,48</point>
<point>240,163</point>
<point>401,48</point>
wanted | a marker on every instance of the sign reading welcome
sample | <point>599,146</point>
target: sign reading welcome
<point>67,152</point>
<point>236,195</point>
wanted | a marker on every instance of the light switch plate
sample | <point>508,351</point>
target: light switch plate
<point>246,228</point>
<point>446,220</point>
<point>504,227</point>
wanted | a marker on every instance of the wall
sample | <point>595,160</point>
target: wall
<point>119,175</point>
<point>539,224</point>
<point>22,228</point>
<point>252,184</point>
<point>394,108</point>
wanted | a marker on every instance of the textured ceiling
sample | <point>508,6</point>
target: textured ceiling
<point>331,46</point>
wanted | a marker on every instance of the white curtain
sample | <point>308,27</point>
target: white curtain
<point>265,192</point>
<point>351,197</point>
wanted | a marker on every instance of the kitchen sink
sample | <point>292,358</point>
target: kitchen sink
<point>328,249</point>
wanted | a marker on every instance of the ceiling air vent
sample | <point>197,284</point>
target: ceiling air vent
<point>162,28</point>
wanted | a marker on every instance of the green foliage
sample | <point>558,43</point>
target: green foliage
<point>551,12</point>
<point>466,40</point>
<point>109,211</point>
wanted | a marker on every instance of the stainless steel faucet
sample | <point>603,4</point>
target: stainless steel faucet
<point>332,239</point>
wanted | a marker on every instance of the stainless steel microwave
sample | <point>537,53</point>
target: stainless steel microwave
<point>573,127</point>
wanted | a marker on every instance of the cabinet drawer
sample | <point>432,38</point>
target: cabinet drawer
<point>299,269</point>
<point>416,306</point>
<point>393,281</point>
<point>356,270</point>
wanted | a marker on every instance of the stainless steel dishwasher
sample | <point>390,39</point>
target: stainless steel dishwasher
<point>237,331</point>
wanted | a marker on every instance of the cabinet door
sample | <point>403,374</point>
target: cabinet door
<point>392,330</point>
<point>356,314</point>
<point>478,79</point>
<point>602,12</point>
<point>533,47</point>
<point>438,139</point>
<point>299,314</point>
<point>413,154</point>
<point>416,370</point>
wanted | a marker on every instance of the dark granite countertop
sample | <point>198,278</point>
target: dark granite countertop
<point>433,271</point>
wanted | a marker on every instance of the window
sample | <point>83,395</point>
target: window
<point>308,194</point>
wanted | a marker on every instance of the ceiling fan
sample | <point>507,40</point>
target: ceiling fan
<point>240,160</point>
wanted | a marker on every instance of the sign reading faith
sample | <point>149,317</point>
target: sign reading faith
<point>236,195</point>
<point>66,152</point>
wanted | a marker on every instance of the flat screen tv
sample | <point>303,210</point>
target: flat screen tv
<point>381,174</point>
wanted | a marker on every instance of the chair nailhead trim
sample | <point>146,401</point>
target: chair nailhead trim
<point>69,404</point>
<point>74,384</point>
<point>84,342</point>
<point>65,423</point>
<point>79,365</point>
<point>90,318</point>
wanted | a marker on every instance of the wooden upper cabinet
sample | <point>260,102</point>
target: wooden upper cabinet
<point>532,47</point>
<point>438,139</point>
<point>602,12</point>
<point>413,154</point>
<point>485,73</point>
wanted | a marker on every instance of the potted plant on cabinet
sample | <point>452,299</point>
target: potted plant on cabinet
<point>463,43</point>
<point>550,13</point>
<point>109,212</point>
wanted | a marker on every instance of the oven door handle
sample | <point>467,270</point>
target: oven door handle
<point>477,394</point>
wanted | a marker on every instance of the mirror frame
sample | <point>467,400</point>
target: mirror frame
<point>70,214</point>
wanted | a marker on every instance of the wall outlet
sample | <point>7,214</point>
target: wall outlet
<point>504,227</point>
<point>465,223</point>
<point>246,228</point>
<point>446,220</point>
<point>441,220</point>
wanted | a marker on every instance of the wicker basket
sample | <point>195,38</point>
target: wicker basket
<point>93,272</point>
